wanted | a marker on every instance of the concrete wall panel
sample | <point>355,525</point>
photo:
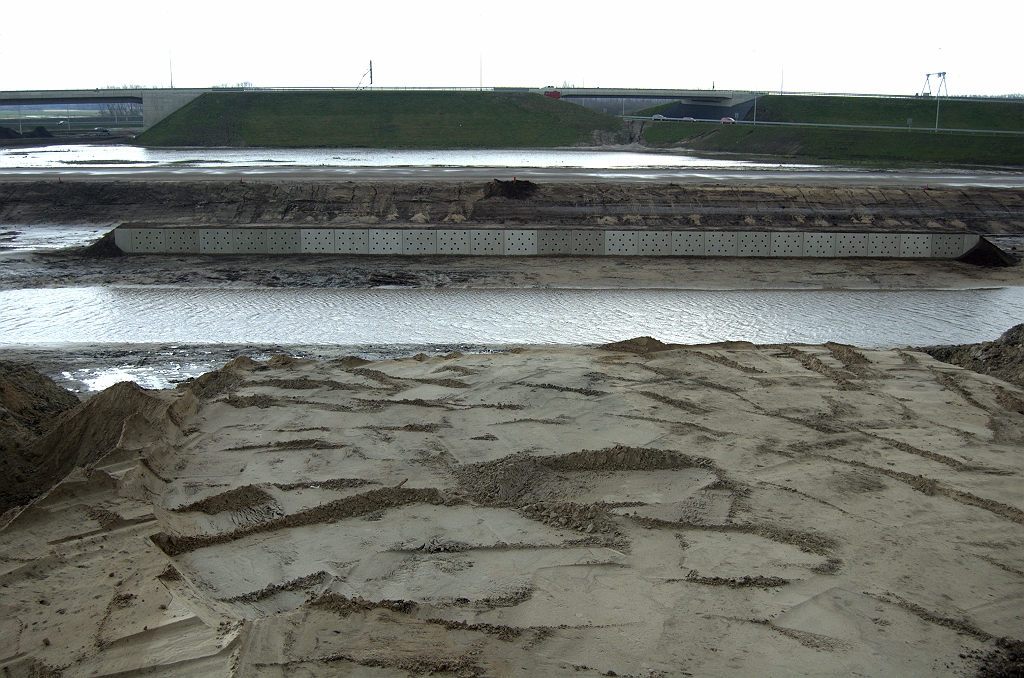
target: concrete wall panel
<point>453,241</point>
<point>753,245</point>
<point>250,240</point>
<point>787,244</point>
<point>123,239</point>
<point>719,244</point>
<point>947,246</point>
<point>317,240</point>
<point>819,244</point>
<point>654,243</point>
<point>385,241</point>
<point>851,244</point>
<point>148,240</point>
<point>181,240</point>
<point>883,244</point>
<point>970,240</point>
<point>620,242</point>
<point>419,241</point>
<point>554,242</point>
<point>284,240</point>
<point>351,241</point>
<point>520,242</point>
<point>588,242</point>
<point>915,245</point>
<point>688,243</point>
<point>216,241</point>
<point>487,243</point>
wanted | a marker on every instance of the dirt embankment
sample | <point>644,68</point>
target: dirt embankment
<point>47,433</point>
<point>565,204</point>
<point>1002,358</point>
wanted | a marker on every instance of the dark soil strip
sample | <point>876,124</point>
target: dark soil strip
<point>246,496</point>
<point>961,626</point>
<point>299,584</point>
<point>347,507</point>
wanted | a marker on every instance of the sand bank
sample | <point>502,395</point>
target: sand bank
<point>702,510</point>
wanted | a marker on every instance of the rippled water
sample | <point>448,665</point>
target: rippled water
<point>424,317</point>
<point>79,155</point>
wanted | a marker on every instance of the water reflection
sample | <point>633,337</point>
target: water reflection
<point>423,317</point>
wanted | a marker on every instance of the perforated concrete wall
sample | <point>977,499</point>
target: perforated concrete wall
<point>351,241</point>
<point>148,240</point>
<point>718,244</point>
<point>654,243</point>
<point>819,245</point>
<point>419,241</point>
<point>753,245</point>
<point>787,244</point>
<point>250,240</point>
<point>851,244</point>
<point>284,241</point>
<point>216,241</point>
<point>688,243</point>
<point>554,242</point>
<point>425,241</point>
<point>588,242</point>
<point>318,240</point>
<point>453,241</point>
<point>385,241</point>
<point>883,244</point>
<point>947,246</point>
<point>181,240</point>
<point>620,242</point>
<point>915,245</point>
<point>520,242</point>
<point>487,243</point>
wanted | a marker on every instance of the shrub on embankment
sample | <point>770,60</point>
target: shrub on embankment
<point>373,119</point>
<point>874,147</point>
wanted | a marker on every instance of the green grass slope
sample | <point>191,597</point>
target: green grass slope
<point>872,147</point>
<point>372,119</point>
<point>953,113</point>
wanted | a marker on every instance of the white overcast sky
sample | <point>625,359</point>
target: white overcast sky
<point>824,46</point>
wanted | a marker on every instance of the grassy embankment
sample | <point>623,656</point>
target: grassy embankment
<point>919,144</point>
<point>381,120</point>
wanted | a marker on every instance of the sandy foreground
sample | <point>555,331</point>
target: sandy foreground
<point>704,510</point>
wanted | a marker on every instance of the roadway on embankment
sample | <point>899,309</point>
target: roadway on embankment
<point>803,176</point>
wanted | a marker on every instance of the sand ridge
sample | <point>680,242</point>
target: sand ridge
<point>644,510</point>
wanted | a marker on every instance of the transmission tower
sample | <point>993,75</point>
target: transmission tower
<point>926,90</point>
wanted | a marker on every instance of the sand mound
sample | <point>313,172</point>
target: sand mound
<point>77,438</point>
<point>988,255</point>
<point>514,190</point>
<point>637,345</point>
<point>1002,358</point>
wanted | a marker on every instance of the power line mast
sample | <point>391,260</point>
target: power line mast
<point>367,73</point>
<point>926,90</point>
